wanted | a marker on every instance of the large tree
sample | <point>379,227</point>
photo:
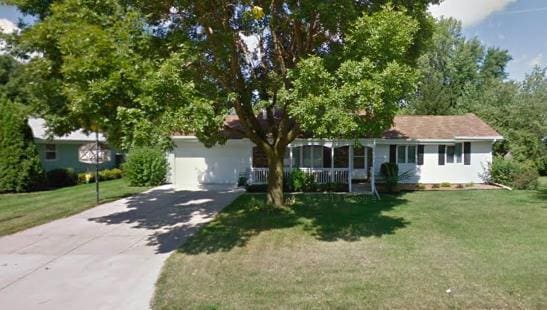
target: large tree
<point>333,69</point>
<point>452,66</point>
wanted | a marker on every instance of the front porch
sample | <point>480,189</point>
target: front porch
<point>340,162</point>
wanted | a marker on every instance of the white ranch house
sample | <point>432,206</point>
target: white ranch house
<point>435,149</point>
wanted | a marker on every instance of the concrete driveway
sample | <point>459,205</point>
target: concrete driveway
<point>108,257</point>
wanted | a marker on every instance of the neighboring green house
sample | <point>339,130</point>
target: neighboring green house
<point>62,152</point>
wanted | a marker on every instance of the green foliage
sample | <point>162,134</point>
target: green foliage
<point>104,175</point>
<point>512,173</point>
<point>241,181</point>
<point>453,66</point>
<point>446,184</point>
<point>20,168</point>
<point>61,178</point>
<point>390,173</point>
<point>299,181</point>
<point>145,167</point>
<point>140,71</point>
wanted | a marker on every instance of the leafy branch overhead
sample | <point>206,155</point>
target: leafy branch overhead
<point>141,70</point>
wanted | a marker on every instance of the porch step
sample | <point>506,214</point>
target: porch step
<point>361,188</point>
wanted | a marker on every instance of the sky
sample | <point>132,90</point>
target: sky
<point>520,26</point>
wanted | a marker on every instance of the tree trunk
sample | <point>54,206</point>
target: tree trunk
<point>275,179</point>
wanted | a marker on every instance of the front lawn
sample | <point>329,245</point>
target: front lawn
<point>465,249</point>
<point>22,211</point>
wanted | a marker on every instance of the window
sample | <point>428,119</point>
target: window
<point>401,154</point>
<point>341,157</point>
<point>287,159</point>
<point>296,153</point>
<point>51,152</point>
<point>312,156</point>
<point>306,156</point>
<point>411,154</point>
<point>454,153</point>
<point>359,158</point>
<point>450,154</point>
<point>458,152</point>
<point>406,154</point>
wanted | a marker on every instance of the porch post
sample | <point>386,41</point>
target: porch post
<point>290,157</point>
<point>350,164</point>
<point>251,173</point>
<point>373,178</point>
<point>332,162</point>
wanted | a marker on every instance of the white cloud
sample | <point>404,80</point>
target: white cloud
<point>7,26</point>
<point>536,61</point>
<point>470,12</point>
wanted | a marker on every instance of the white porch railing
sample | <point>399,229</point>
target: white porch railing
<point>320,175</point>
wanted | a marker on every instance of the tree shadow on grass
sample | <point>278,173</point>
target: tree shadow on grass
<point>325,217</point>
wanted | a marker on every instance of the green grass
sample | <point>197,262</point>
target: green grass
<point>22,211</point>
<point>329,251</point>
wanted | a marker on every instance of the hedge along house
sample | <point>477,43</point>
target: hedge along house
<point>62,152</point>
<point>428,149</point>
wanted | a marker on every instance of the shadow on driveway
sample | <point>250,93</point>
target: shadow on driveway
<point>171,215</point>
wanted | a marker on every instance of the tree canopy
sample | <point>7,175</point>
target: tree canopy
<point>139,69</point>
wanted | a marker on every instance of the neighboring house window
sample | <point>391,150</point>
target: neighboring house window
<point>406,154</point>
<point>359,158</point>
<point>51,152</point>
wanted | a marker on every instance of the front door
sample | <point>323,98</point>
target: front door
<point>362,159</point>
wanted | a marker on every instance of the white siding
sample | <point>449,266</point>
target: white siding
<point>194,164</point>
<point>431,172</point>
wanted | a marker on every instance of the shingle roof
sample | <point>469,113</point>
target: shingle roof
<point>39,130</point>
<point>441,127</point>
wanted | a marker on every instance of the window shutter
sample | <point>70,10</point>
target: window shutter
<point>392,153</point>
<point>467,153</point>
<point>420,155</point>
<point>442,149</point>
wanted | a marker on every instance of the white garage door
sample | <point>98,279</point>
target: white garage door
<point>196,164</point>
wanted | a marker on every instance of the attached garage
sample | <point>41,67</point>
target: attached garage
<point>193,164</point>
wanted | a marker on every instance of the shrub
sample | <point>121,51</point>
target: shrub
<point>390,173</point>
<point>527,177</point>
<point>241,181</point>
<point>110,174</point>
<point>435,186</point>
<point>333,187</point>
<point>145,167</point>
<point>299,181</point>
<point>256,188</point>
<point>104,175</point>
<point>512,173</point>
<point>61,178</point>
<point>446,184</point>
<point>420,186</point>
<point>20,167</point>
